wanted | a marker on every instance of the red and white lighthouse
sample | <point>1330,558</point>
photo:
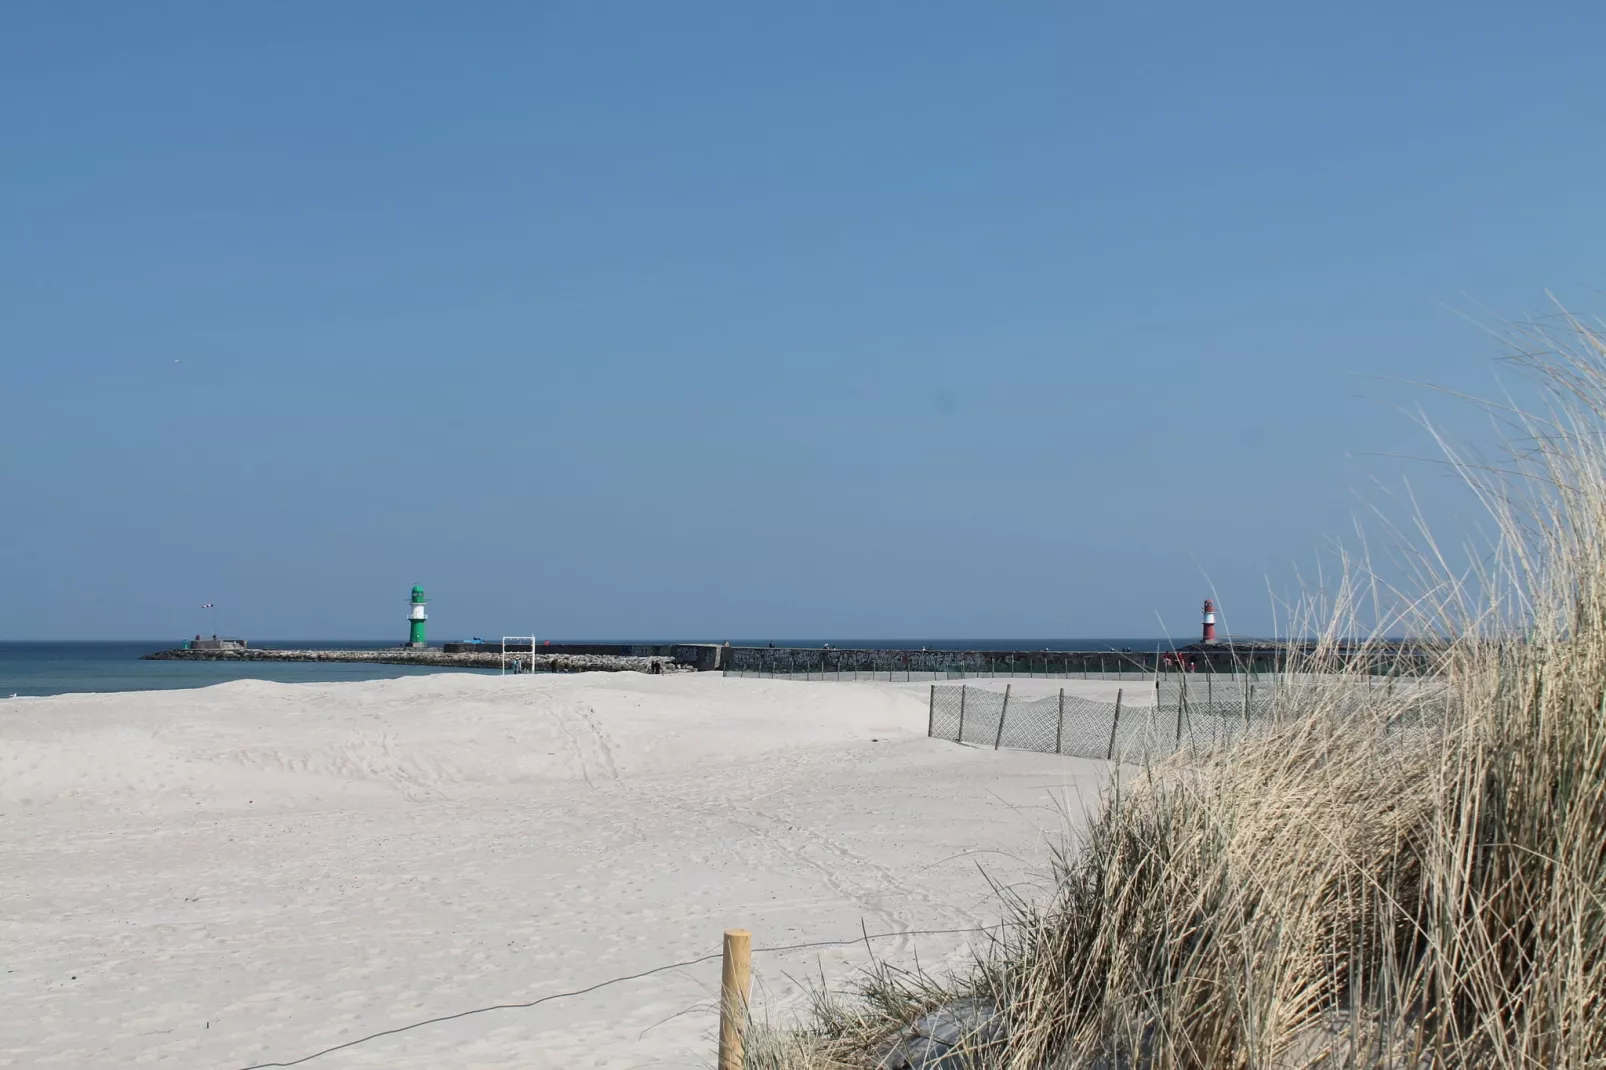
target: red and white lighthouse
<point>1209,621</point>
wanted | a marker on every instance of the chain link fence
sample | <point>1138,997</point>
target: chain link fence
<point>1086,728</point>
<point>894,670</point>
<point>1169,714</point>
<point>897,675</point>
<point>890,676</point>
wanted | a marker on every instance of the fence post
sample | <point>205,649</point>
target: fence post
<point>1182,698</point>
<point>735,976</point>
<point>931,713</point>
<point>1115,723</point>
<point>1059,729</point>
<point>961,738</point>
<point>999,738</point>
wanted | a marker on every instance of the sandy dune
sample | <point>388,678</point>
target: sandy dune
<point>249,873</point>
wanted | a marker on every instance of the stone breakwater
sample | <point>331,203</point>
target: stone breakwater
<point>491,659</point>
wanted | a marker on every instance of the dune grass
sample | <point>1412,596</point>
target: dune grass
<point>1363,886</point>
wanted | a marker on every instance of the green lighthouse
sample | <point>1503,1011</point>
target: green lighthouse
<point>416,618</point>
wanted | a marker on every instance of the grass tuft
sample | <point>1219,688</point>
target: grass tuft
<point>1402,876</point>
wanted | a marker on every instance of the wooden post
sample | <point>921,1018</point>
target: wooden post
<point>734,980</point>
<point>1059,729</point>
<point>1116,723</point>
<point>1182,698</point>
<point>999,738</point>
<point>931,713</point>
<point>961,738</point>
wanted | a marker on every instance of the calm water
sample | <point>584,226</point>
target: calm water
<point>54,668</point>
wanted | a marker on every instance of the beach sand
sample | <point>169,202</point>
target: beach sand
<point>249,873</point>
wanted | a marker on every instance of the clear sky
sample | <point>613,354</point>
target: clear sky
<point>707,320</point>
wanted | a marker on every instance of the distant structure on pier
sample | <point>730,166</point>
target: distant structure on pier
<point>1209,622</point>
<point>416,618</point>
<point>214,643</point>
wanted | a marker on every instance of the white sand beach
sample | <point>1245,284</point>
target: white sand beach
<point>250,873</point>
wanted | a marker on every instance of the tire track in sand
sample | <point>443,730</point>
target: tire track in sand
<point>592,748</point>
<point>849,875</point>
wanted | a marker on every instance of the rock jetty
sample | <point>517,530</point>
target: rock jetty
<point>488,659</point>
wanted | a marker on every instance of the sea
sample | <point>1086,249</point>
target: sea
<point>49,667</point>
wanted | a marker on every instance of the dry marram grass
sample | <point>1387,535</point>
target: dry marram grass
<point>1404,877</point>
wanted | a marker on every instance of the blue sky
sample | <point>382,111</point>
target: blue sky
<point>710,320</point>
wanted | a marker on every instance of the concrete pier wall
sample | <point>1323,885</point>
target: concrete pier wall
<point>703,657</point>
<point>1218,658</point>
<point>489,659</point>
<point>794,661</point>
<point>791,661</point>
